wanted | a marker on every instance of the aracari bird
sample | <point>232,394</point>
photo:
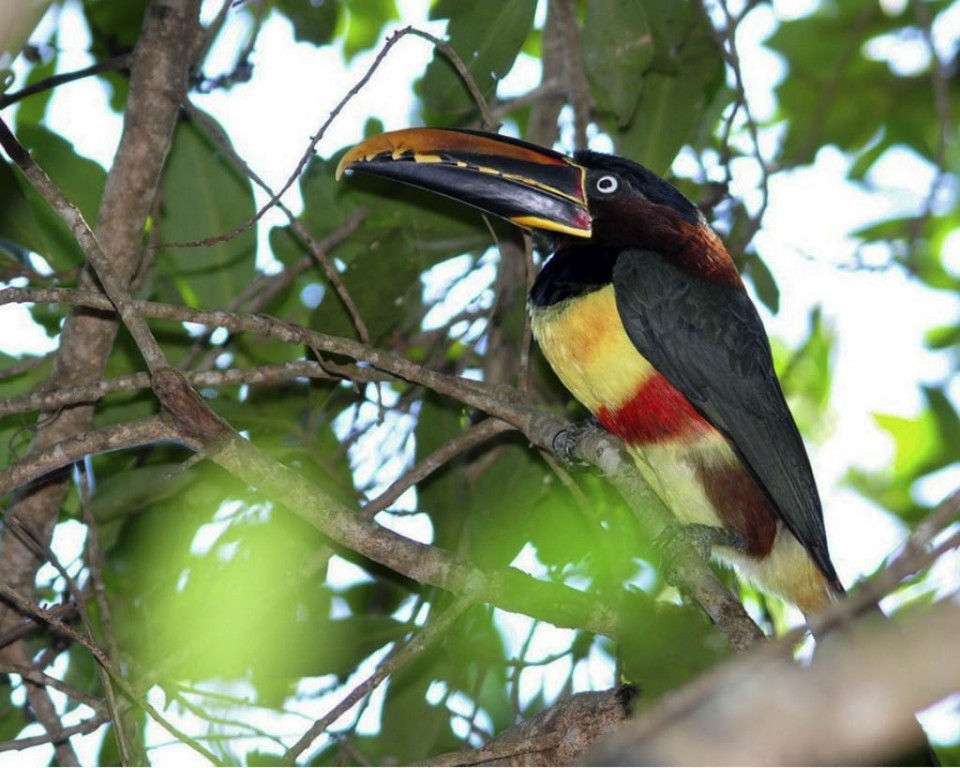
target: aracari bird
<point>643,316</point>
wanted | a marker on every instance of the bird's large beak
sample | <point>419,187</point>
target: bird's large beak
<point>532,187</point>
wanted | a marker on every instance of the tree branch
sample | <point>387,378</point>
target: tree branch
<point>399,656</point>
<point>117,63</point>
<point>853,706</point>
<point>129,434</point>
<point>506,403</point>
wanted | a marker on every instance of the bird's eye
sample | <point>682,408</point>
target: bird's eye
<point>607,184</point>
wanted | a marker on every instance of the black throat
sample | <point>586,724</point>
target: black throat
<point>572,271</point>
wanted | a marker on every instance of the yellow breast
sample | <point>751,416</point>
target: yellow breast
<point>585,342</point>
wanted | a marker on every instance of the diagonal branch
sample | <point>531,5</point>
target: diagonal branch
<point>508,404</point>
<point>399,656</point>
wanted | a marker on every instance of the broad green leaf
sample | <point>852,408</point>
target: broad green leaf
<point>312,22</point>
<point>80,179</point>
<point>204,196</point>
<point>676,90</point>
<point>487,36</point>
<point>366,18</point>
<point>13,719</point>
<point>139,488</point>
<point>33,109</point>
<point>943,337</point>
<point>764,283</point>
<point>835,94</point>
<point>617,49</point>
<point>664,646</point>
<point>805,375</point>
<point>924,444</point>
<point>18,225</point>
<point>115,27</point>
<point>418,729</point>
<point>406,232</point>
<point>920,241</point>
<point>446,489</point>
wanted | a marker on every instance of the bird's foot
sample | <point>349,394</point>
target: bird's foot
<point>565,443</point>
<point>703,538</point>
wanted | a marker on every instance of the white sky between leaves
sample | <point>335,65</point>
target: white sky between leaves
<point>879,317</point>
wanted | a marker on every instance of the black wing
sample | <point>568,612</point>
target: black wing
<point>707,339</point>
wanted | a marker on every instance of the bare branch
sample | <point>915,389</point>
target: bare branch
<point>117,63</point>
<point>853,706</point>
<point>557,736</point>
<point>469,438</point>
<point>578,89</point>
<point>599,448</point>
<point>317,250</point>
<point>398,657</point>
<point>131,434</point>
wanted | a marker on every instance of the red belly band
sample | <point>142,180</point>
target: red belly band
<point>656,412</point>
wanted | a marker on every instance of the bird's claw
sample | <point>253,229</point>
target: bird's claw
<point>565,443</point>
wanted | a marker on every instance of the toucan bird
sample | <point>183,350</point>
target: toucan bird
<point>643,316</point>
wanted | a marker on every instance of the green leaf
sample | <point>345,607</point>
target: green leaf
<point>683,80</point>
<point>417,728</point>
<point>365,20</point>
<point>115,27</point>
<point>138,488</point>
<point>924,444</point>
<point>204,195</point>
<point>487,36</point>
<point>18,225</point>
<point>441,420</point>
<point>922,242</point>
<point>313,22</point>
<point>80,179</point>
<point>764,283</point>
<point>617,49</point>
<point>664,646</point>
<point>805,375</point>
<point>12,719</point>
<point>406,232</point>
<point>33,109</point>
<point>835,94</point>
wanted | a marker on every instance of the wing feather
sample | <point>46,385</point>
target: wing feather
<point>707,339</point>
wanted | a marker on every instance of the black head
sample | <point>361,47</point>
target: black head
<point>610,179</point>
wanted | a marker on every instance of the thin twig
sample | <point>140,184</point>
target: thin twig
<point>29,609</point>
<point>314,140</point>
<point>130,749</point>
<point>56,737</point>
<point>727,42</point>
<point>109,65</point>
<point>469,438</point>
<point>318,250</point>
<point>48,400</point>
<point>399,656</point>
